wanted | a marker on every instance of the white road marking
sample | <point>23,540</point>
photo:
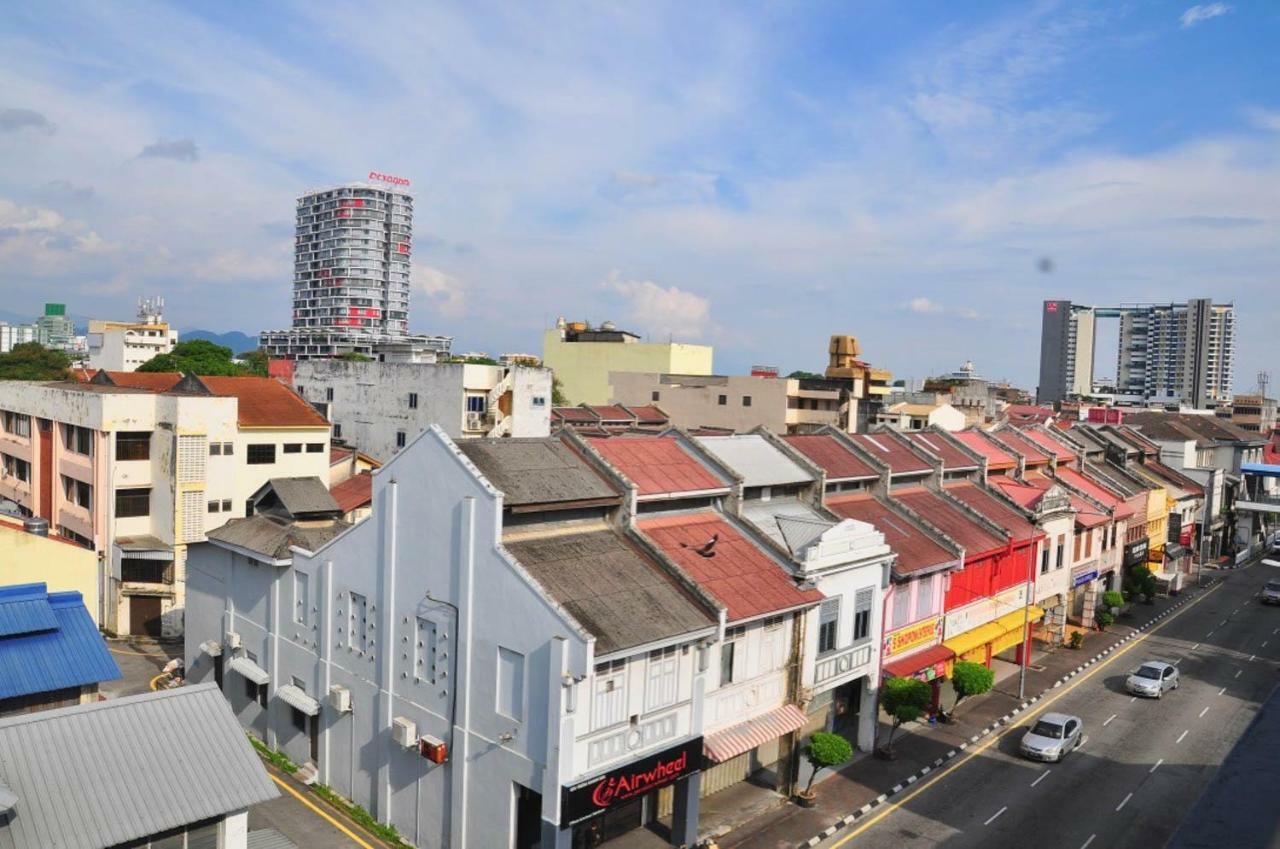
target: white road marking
<point>1238,671</point>
<point>1176,662</point>
<point>1085,845</point>
<point>1125,802</point>
<point>1208,635</point>
<point>1108,722</point>
<point>1196,646</point>
<point>1157,766</point>
<point>1041,778</point>
<point>996,814</point>
<point>1275,631</point>
<point>1203,712</point>
<point>1223,690</point>
<point>1134,699</point>
<point>1264,643</point>
<point>1183,735</point>
<point>1251,657</point>
<point>1223,622</point>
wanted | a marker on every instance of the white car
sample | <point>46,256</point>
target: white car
<point>1052,737</point>
<point>1153,678</point>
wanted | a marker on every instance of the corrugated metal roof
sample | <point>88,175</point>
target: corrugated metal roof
<point>1088,486</point>
<point>71,654</point>
<point>536,471</point>
<point>354,492</point>
<point>828,454</point>
<point>1048,443</point>
<point>997,457</point>
<point>755,460</point>
<point>609,586</point>
<point>658,465</point>
<point>303,495</point>
<point>952,521</point>
<point>110,772</point>
<point>25,608</point>
<point>787,521</point>
<point>1030,452</point>
<point>269,838</point>
<point>992,509</point>
<point>884,447</point>
<point>952,457</point>
<point>746,580</point>
<point>916,550</point>
<point>272,536</point>
<point>1087,515</point>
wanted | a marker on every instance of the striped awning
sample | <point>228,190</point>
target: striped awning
<point>294,697</point>
<point>250,670</point>
<point>745,736</point>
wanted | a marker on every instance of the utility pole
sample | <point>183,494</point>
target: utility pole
<point>1026,625</point>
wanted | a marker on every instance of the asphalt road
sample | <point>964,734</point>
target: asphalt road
<point>1144,761</point>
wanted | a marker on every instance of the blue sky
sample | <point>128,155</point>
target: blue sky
<point>753,176</point>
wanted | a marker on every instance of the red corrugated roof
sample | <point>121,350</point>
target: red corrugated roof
<point>1021,493</point>
<point>1030,452</point>
<point>1088,486</point>
<point>826,452</point>
<point>573,414</point>
<point>997,457</point>
<point>1022,413</point>
<point>899,458</point>
<point>355,491</point>
<point>154,381</point>
<point>952,457</point>
<point>649,413</point>
<point>657,465</point>
<point>338,454</point>
<point>611,413</point>
<point>993,509</point>
<point>953,522</point>
<point>1087,516</point>
<point>742,577</point>
<point>265,402</point>
<point>1063,452</point>
<point>913,663</point>
<point>916,550</point>
<point>1271,451</point>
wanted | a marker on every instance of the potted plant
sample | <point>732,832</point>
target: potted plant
<point>825,750</point>
<point>905,700</point>
<point>1076,640</point>
<point>970,679</point>
<point>1143,583</point>
<point>1103,620</point>
<point>1113,601</point>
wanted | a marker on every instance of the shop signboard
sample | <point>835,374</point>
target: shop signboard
<point>913,636</point>
<point>625,783</point>
<point>1136,552</point>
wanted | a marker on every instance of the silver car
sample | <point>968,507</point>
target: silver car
<point>1270,592</point>
<point>1052,737</point>
<point>1153,678</point>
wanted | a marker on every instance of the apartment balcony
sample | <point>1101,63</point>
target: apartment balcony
<point>15,446</point>
<point>76,518</point>
<point>16,491</point>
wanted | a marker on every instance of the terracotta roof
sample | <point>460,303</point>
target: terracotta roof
<point>1022,494</point>
<point>649,413</point>
<point>742,577</point>
<point>611,413</point>
<point>1024,413</point>
<point>573,414</point>
<point>354,492</point>
<point>1087,515</point>
<point>265,402</point>
<point>1088,486</point>
<point>949,519</point>
<point>1271,451</point>
<point>338,454</point>
<point>884,447</point>
<point>826,452</point>
<point>952,457</point>
<point>155,381</point>
<point>1047,442</point>
<point>993,509</point>
<point>997,457</point>
<point>1031,452</point>
<point>658,465</point>
<point>916,550</point>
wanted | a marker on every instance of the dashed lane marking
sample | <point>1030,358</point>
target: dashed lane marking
<point>1156,767</point>
<point>1183,735</point>
<point>1108,722</point>
<point>1124,802</point>
<point>1042,777</point>
<point>996,814</point>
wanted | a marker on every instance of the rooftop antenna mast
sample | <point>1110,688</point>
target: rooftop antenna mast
<point>1264,378</point>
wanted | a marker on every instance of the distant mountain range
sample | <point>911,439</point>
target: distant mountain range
<point>235,340</point>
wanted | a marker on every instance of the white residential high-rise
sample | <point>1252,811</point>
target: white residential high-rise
<point>350,274</point>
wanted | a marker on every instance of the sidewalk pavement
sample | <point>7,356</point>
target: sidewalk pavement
<point>919,746</point>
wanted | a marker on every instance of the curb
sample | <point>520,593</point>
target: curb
<point>850,819</point>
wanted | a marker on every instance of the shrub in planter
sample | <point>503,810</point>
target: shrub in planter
<point>1112,600</point>
<point>824,751</point>
<point>1104,619</point>
<point>904,699</point>
<point>1077,639</point>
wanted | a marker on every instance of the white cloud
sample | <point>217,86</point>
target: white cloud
<point>1199,14</point>
<point>446,296</point>
<point>923,305</point>
<point>663,311</point>
<point>1264,119</point>
<point>23,219</point>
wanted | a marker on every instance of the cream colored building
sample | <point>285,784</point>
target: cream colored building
<point>125,345</point>
<point>60,564</point>
<point>739,402</point>
<point>135,466</point>
<point>584,358</point>
<point>907,416</point>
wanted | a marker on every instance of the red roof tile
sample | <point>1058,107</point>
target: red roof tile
<point>952,457</point>
<point>949,519</point>
<point>355,491</point>
<point>338,454</point>
<point>826,452</point>
<point>265,402</point>
<point>1030,452</point>
<point>649,413</point>
<point>742,577</point>
<point>993,509</point>
<point>1087,516</point>
<point>611,413</point>
<point>573,414</point>
<point>1088,486</point>
<point>657,465</point>
<point>997,457</point>
<point>916,550</point>
<point>1271,451</point>
<point>154,381</point>
<point>1048,443</point>
<point>1021,493</point>
<point>884,447</point>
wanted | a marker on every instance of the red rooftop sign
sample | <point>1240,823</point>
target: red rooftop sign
<point>389,178</point>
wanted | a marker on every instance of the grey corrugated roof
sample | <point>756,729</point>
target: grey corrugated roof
<point>536,471</point>
<point>756,461</point>
<point>269,838</point>
<point>617,593</point>
<point>303,495</point>
<point>110,772</point>
<point>789,522</point>
<point>272,535</point>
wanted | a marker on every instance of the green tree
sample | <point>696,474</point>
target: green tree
<point>558,398</point>
<point>354,357</point>
<point>33,361</point>
<point>904,699</point>
<point>824,751</point>
<point>199,356</point>
<point>805,375</point>
<point>970,679</point>
<point>255,362</point>
<point>1141,581</point>
<point>1111,599</point>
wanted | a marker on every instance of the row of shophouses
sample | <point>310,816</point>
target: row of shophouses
<point>537,641</point>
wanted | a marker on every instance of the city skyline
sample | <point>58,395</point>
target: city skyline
<point>917,178</point>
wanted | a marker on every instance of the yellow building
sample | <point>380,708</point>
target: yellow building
<point>582,358</point>
<point>1157,524</point>
<point>62,565</point>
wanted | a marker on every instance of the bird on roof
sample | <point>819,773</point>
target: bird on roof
<point>707,549</point>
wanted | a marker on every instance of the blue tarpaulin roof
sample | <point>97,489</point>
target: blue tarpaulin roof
<point>48,641</point>
<point>1264,469</point>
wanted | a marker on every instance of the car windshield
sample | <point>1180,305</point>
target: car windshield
<point>1047,729</point>
<point>1147,672</point>
<point>1273,586</point>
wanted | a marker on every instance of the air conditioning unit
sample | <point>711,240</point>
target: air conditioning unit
<point>404,732</point>
<point>433,749</point>
<point>475,421</point>
<point>233,640</point>
<point>340,698</point>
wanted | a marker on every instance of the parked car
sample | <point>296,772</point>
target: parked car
<point>1153,678</point>
<point>1052,737</point>
<point>1270,592</point>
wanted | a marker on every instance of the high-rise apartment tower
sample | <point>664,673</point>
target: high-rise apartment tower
<point>1167,353</point>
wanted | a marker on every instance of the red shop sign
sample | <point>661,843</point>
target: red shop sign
<point>599,794</point>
